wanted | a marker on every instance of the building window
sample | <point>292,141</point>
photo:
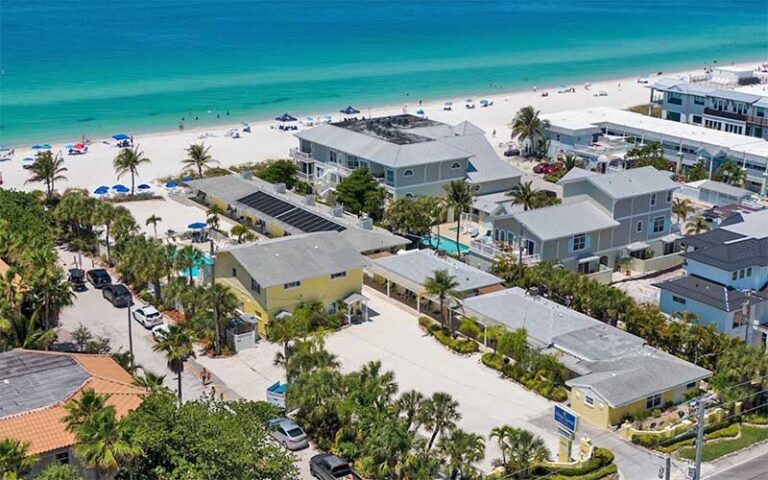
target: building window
<point>675,98</point>
<point>234,272</point>
<point>673,116</point>
<point>62,458</point>
<point>738,319</point>
<point>332,156</point>
<point>669,196</point>
<point>734,275</point>
<point>658,224</point>
<point>288,286</point>
<point>455,166</point>
<point>749,271</point>
<point>255,286</point>
<point>679,300</point>
<point>653,199</point>
<point>741,273</point>
<point>589,401</point>
<point>690,385</point>
<point>408,173</point>
<point>698,100</point>
<point>332,308</point>
<point>579,242</point>
<point>334,276</point>
<point>696,119</point>
<point>653,401</point>
<point>639,226</point>
<point>390,177</point>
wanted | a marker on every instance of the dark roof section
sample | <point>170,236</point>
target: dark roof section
<point>290,214</point>
<point>710,239</point>
<point>733,255</point>
<point>393,129</point>
<point>709,293</point>
<point>30,380</point>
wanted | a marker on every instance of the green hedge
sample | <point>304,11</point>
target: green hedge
<point>601,457</point>
<point>426,322</point>
<point>458,345</point>
<point>604,472</point>
<point>756,419</point>
<point>556,393</point>
<point>711,432</point>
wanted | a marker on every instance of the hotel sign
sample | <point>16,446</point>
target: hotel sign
<point>566,419</point>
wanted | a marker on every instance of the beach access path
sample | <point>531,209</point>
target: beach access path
<point>167,149</point>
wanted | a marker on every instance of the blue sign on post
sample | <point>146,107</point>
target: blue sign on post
<point>566,418</point>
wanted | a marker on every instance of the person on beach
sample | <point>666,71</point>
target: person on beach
<point>534,89</point>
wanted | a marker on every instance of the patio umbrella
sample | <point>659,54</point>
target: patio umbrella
<point>37,147</point>
<point>69,146</point>
<point>171,185</point>
<point>186,179</point>
<point>121,189</point>
<point>120,136</point>
<point>79,146</point>
<point>483,102</point>
<point>3,148</point>
<point>144,186</point>
<point>349,110</point>
<point>28,159</point>
<point>327,118</point>
<point>102,190</point>
<point>197,225</point>
<point>420,111</point>
<point>285,118</point>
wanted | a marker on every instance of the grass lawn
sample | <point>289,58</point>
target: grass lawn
<point>714,450</point>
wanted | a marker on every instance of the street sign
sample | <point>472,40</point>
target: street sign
<point>566,418</point>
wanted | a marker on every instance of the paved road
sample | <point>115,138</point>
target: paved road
<point>93,311</point>
<point>755,468</point>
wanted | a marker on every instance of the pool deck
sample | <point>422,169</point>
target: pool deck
<point>445,231</point>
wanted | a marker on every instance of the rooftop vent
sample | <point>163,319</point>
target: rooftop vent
<point>309,200</point>
<point>246,174</point>
<point>366,223</point>
<point>280,187</point>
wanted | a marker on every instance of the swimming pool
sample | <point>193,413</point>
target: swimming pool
<point>447,245</point>
<point>206,261</point>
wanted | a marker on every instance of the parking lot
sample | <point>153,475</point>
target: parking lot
<point>419,362</point>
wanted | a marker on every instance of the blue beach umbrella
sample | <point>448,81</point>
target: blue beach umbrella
<point>37,146</point>
<point>186,179</point>
<point>69,146</point>
<point>420,111</point>
<point>144,186</point>
<point>483,102</point>
<point>285,118</point>
<point>197,225</point>
<point>120,136</point>
<point>3,148</point>
<point>28,159</point>
<point>102,190</point>
<point>171,185</point>
<point>121,189</point>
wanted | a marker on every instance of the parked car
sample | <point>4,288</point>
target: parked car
<point>117,294</point>
<point>159,331</point>
<point>511,152</point>
<point>98,277</point>
<point>326,466</point>
<point>290,435</point>
<point>148,316</point>
<point>76,279</point>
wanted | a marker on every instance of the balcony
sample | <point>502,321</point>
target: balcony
<point>490,251</point>
<point>758,121</point>
<point>300,156</point>
<point>723,114</point>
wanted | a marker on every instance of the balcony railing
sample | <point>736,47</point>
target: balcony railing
<point>298,155</point>
<point>759,121</point>
<point>491,251</point>
<point>723,114</point>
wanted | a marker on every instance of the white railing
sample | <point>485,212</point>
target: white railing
<point>492,251</point>
<point>297,154</point>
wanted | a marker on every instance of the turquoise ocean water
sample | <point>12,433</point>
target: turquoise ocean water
<point>95,67</point>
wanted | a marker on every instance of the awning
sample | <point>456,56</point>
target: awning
<point>120,136</point>
<point>591,258</point>
<point>635,246</point>
<point>355,298</point>
<point>671,238</point>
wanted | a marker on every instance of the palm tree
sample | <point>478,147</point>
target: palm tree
<point>570,161</point>
<point>285,329</point>
<point>213,213</point>
<point>493,335</point>
<point>681,208</point>
<point>458,195</point>
<point>105,214</point>
<point>731,173</point>
<point>58,471</point>
<point>697,225</point>
<point>14,460</point>
<point>686,317</point>
<point>47,169</point>
<point>525,448</point>
<point>439,413</point>
<point>527,127</point>
<point>105,444</point>
<point>441,284</point>
<point>25,333</point>
<point>408,405</point>
<point>198,157</point>
<point>177,344</point>
<point>128,161</point>
<point>83,408</point>
<point>187,257</point>
<point>500,434</point>
<point>524,194</point>
<point>243,233</point>
<point>153,220</point>
<point>151,381</point>
<point>459,451</point>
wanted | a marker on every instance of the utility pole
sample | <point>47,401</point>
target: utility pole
<point>668,468</point>
<point>214,299</point>
<point>699,436</point>
<point>748,314</point>
<point>130,338</point>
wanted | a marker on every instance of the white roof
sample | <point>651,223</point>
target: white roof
<point>754,225</point>
<point>565,220</point>
<point>633,182</point>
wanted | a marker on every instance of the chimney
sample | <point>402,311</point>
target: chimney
<point>280,187</point>
<point>309,200</point>
<point>246,174</point>
<point>366,223</point>
<point>533,291</point>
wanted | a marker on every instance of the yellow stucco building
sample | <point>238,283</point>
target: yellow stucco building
<point>274,276</point>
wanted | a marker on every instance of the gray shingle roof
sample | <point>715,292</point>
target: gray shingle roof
<point>31,380</point>
<point>488,166</point>
<point>565,220</point>
<point>365,241</point>
<point>735,245</point>
<point>709,293</point>
<point>297,257</point>
<point>724,188</point>
<point>417,265</point>
<point>576,173</point>
<point>639,375</point>
<point>633,182</point>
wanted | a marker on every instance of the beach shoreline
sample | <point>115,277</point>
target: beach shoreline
<point>166,148</point>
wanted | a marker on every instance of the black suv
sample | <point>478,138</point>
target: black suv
<point>98,277</point>
<point>77,280</point>
<point>118,295</point>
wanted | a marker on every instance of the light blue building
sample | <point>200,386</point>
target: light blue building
<point>727,278</point>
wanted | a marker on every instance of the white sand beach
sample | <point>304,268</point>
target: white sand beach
<point>264,142</point>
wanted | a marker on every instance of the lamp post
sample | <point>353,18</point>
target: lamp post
<point>130,337</point>
<point>217,341</point>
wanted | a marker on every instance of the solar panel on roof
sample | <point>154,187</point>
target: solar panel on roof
<point>266,203</point>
